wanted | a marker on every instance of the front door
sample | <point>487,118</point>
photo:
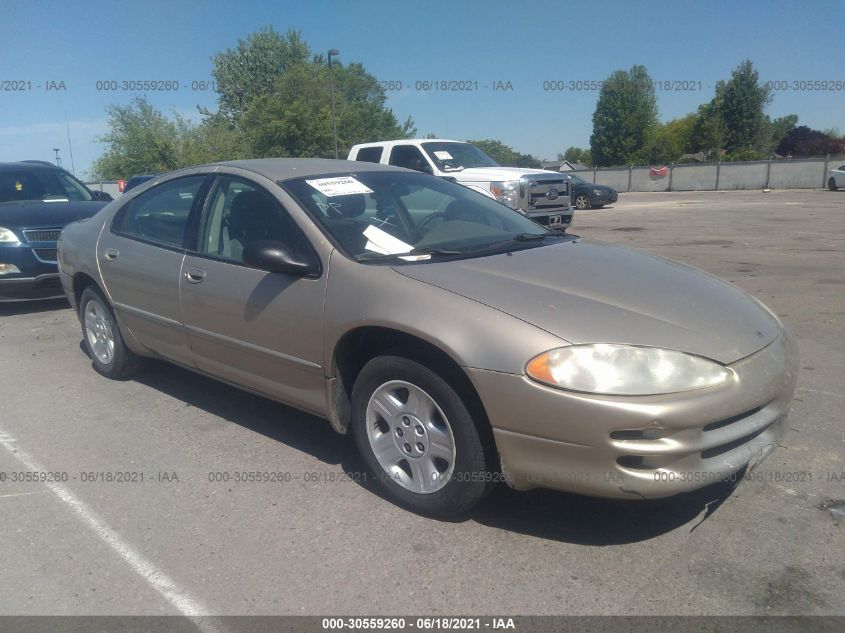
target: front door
<point>256,329</point>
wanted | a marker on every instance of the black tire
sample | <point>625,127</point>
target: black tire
<point>472,477</point>
<point>581,201</point>
<point>831,184</point>
<point>124,362</point>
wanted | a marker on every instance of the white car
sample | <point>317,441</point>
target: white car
<point>544,196</point>
<point>837,178</point>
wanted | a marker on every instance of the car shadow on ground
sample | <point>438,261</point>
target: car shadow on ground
<point>13,308</point>
<point>544,514</point>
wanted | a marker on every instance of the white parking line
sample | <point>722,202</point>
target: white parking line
<point>157,579</point>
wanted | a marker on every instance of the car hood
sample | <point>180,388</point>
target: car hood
<point>38,214</point>
<point>590,292</point>
<point>484,174</point>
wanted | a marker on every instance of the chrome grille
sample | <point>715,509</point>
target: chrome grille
<point>535,192</point>
<point>42,235</point>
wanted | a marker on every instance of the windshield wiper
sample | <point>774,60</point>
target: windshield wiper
<point>413,253</point>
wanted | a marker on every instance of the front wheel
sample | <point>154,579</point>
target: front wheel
<point>102,338</point>
<point>831,184</point>
<point>582,202</point>
<point>418,438</point>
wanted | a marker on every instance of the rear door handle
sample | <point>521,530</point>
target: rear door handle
<point>194,275</point>
<point>110,254</point>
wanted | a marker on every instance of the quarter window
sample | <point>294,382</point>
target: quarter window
<point>161,214</point>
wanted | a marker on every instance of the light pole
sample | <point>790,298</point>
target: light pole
<point>333,52</point>
<point>58,160</point>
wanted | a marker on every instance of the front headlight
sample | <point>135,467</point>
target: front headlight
<point>8,236</point>
<point>624,370</point>
<point>506,192</point>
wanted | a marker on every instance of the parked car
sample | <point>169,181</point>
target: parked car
<point>408,311</point>
<point>542,195</point>
<point>136,180</point>
<point>37,199</point>
<point>837,178</point>
<point>586,195</point>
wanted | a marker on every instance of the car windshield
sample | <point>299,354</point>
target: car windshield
<point>385,215</point>
<point>456,156</point>
<point>576,179</point>
<point>50,185</point>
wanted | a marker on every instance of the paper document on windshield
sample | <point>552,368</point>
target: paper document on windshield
<point>443,155</point>
<point>379,241</point>
<point>342,186</point>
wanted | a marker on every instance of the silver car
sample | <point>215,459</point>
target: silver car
<point>457,341</point>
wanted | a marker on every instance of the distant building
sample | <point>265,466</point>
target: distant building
<point>563,165</point>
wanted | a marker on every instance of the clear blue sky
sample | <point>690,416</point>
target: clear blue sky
<point>525,42</point>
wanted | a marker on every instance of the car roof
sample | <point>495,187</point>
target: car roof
<point>290,168</point>
<point>408,141</point>
<point>29,164</point>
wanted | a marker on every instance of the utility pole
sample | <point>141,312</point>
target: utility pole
<point>332,53</point>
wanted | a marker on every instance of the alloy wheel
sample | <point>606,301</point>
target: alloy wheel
<point>99,332</point>
<point>410,437</point>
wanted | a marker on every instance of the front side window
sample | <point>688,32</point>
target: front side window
<point>382,214</point>
<point>409,157</point>
<point>49,185</point>
<point>160,214</point>
<point>239,213</point>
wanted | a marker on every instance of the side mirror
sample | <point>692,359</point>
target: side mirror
<point>276,257</point>
<point>102,195</point>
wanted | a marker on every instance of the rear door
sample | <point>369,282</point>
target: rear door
<point>140,258</point>
<point>256,329</point>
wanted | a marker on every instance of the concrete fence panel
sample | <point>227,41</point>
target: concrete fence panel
<point>692,177</point>
<point>641,180</point>
<point>745,175</point>
<point>616,178</point>
<point>805,173</point>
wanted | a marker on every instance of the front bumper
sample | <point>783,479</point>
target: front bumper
<point>644,446</point>
<point>546,217</point>
<point>603,198</point>
<point>38,277</point>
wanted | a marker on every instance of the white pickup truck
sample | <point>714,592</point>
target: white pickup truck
<point>542,195</point>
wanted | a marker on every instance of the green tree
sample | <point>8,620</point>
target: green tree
<point>626,111</point>
<point>777,129</point>
<point>667,142</point>
<point>251,69</point>
<point>295,119</point>
<point>576,155</point>
<point>742,110</point>
<point>506,155</point>
<point>140,139</point>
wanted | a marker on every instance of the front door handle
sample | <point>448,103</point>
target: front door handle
<point>110,254</point>
<point>194,275</point>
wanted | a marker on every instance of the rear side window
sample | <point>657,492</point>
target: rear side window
<point>841,168</point>
<point>160,215</point>
<point>370,154</point>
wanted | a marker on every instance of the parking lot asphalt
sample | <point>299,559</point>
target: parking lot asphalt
<point>324,543</point>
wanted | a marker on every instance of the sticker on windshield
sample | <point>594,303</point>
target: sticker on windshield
<point>443,155</point>
<point>341,186</point>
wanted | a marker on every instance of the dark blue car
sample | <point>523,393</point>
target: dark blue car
<point>37,200</point>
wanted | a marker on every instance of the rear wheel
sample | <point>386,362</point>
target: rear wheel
<point>417,437</point>
<point>102,338</point>
<point>582,201</point>
<point>831,184</point>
